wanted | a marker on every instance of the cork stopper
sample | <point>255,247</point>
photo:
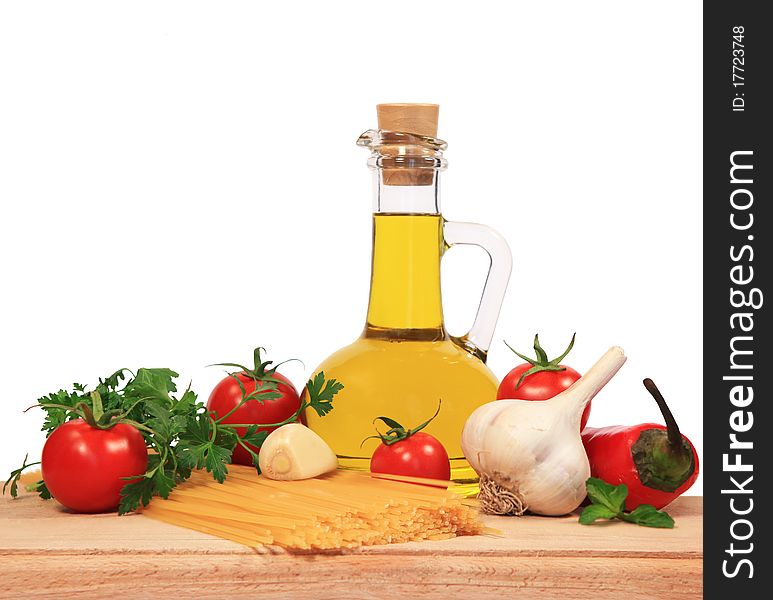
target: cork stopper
<point>419,119</point>
<point>416,119</point>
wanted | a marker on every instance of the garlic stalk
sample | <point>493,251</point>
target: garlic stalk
<point>294,451</point>
<point>529,454</point>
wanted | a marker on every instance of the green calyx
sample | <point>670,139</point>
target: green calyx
<point>261,372</point>
<point>664,459</point>
<point>541,363</point>
<point>397,432</point>
<point>96,415</point>
<point>660,465</point>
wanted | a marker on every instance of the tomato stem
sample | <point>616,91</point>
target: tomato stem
<point>541,363</point>
<point>87,415</point>
<point>96,401</point>
<point>397,432</point>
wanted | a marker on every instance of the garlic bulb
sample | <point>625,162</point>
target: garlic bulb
<point>529,454</point>
<point>294,451</point>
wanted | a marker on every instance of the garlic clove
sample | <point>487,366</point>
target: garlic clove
<point>294,451</point>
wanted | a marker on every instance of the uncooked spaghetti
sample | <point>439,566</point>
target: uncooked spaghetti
<point>343,509</point>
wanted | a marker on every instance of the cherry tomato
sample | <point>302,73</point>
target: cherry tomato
<point>83,466</point>
<point>547,379</point>
<point>419,455</point>
<point>227,394</point>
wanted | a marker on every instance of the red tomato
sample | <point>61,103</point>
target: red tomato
<point>228,394</point>
<point>539,386</point>
<point>543,384</point>
<point>420,455</point>
<point>83,466</point>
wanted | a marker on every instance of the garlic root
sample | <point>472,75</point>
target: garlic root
<point>530,454</point>
<point>497,500</point>
<point>294,451</point>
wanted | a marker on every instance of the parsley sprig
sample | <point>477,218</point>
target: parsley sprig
<point>13,481</point>
<point>608,502</point>
<point>179,431</point>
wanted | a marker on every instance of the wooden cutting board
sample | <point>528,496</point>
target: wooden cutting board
<point>46,552</point>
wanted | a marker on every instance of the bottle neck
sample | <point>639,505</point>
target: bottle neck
<point>394,193</point>
<point>405,300</point>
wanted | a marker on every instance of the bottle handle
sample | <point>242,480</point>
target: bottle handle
<point>478,339</point>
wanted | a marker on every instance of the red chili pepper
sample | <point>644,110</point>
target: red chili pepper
<point>656,462</point>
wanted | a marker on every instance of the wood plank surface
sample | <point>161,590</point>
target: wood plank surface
<point>46,552</point>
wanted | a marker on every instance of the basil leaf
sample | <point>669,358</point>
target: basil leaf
<point>594,512</point>
<point>611,496</point>
<point>648,516</point>
<point>608,502</point>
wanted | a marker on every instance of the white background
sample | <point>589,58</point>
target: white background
<point>179,183</point>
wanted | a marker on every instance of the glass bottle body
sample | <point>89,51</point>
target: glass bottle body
<point>405,362</point>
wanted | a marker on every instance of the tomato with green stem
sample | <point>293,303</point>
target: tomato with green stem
<point>85,467</point>
<point>411,452</point>
<point>253,396</point>
<point>540,378</point>
<point>86,461</point>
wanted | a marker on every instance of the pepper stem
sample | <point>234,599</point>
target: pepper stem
<point>664,458</point>
<point>674,435</point>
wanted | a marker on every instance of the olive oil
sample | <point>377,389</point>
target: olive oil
<point>405,362</point>
<point>405,276</point>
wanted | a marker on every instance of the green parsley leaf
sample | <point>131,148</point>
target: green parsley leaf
<point>254,437</point>
<point>193,443</point>
<point>216,460</point>
<point>13,480</point>
<point>186,405</point>
<point>264,391</point>
<point>155,384</point>
<point>136,493</point>
<point>160,421</point>
<point>164,482</point>
<point>321,393</point>
<point>110,383</point>
<point>190,456</point>
<point>56,415</point>
<point>41,489</point>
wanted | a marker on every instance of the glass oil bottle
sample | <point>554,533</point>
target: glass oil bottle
<point>404,362</point>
